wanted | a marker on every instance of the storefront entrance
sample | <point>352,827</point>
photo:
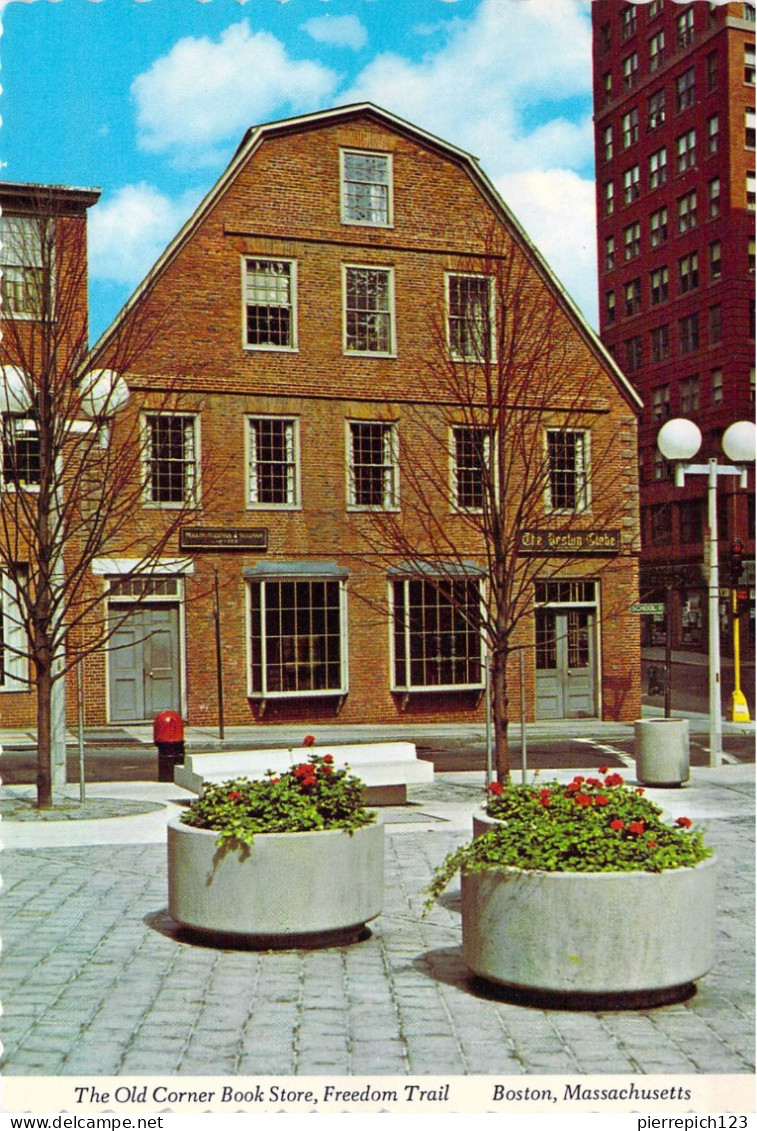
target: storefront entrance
<point>144,660</point>
<point>566,663</point>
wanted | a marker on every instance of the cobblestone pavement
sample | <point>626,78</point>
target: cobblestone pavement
<point>97,980</point>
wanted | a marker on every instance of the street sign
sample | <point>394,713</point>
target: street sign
<point>648,609</point>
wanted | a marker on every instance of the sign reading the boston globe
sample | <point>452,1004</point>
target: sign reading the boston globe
<point>569,542</point>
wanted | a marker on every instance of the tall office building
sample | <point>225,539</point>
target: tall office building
<point>674,124</point>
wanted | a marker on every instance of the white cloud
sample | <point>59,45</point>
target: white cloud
<point>205,93</point>
<point>557,209</point>
<point>128,231</point>
<point>337,31</point>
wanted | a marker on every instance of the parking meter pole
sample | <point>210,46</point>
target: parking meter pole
<point>168,736</point>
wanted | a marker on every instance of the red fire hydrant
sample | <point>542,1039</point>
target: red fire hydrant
<point>168,736</point>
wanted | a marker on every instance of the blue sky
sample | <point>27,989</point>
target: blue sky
<point>148,99</point>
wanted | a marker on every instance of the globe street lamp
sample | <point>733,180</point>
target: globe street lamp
<point>679,441</point>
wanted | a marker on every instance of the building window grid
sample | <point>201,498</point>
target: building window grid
<point>749,128</point>
<point>713,197</point>
<point>373,469</point>
<point>436,634</point>
<point>470,317</point>
<point>716,265</point>
<point>609,198</point>
<point>687,211</point>
<point>685,28</point>
<point>656,51</point>
<point>627,21</point>
<point>170,459</point>
<point>685,89</point>
<point>368,310</point>
<point>20,455</point>
<point>688,333</point>
<point>608,142</point>
<point>658,285</point>
<point>660,343</point>
<point>749,64</point>
<point>717,386</point>
<point>21,256</point>
<point>632,293</point>
<point>296,637</point>
<point>713,133</point>
<point>631,185</point>
<point>269,305</point>
<point>610,306</point>
<point>630,127</point>
<point>711,70</point>
<point>689,395</point>
<point>273,461</point>
<point>658,227</point>
<point>686,151</point>
<point>750,191</point>
<point>568,468</point>
<point>609,253</point>
<point>471,452</point>
<point>656,109</point>
<point>366,188</point>
<point>632,240</point>
<point>688,272</point>
<point>658,168</point>
<point>630,70</point>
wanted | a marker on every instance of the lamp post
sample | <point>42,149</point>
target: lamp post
<point>679,441</point>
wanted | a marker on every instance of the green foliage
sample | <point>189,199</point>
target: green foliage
<point>590,825</point>
<point>311,796</point>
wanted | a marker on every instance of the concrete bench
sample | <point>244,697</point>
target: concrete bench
<point>385,768</point>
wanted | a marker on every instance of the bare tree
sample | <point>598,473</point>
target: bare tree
<point>75,456</point>
<point>508,479</point>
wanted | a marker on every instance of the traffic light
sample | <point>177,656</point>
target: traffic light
<point>736,563</point>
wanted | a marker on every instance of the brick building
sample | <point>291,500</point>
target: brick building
<point>43,229</point>
<point>294,317</point>
<point>675,142</point>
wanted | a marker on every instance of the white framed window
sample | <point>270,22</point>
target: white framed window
<point>632,240</point>
<point>436,633</point>
<point>270,311</point>
<point>470,456</point>
<point>608,143</point>
<point>170,459</point>
<point>685,25</point>
<point>20,468</point>
<point>688,272</point>
<point>366,183</point>
<point>273,478</point>
<point>631,186</point>
<point>687,211</point>
<point>656,109</point>
<point>21,256</point>
<point>609,198</point>
<point>298,631</point>
<point>686,151</point>
<point>369,310</point>
<point>13,639</point>
<point>658,168</point>
<point>470,317</point>
<point>372,465</point>
<point>658,227</point>
<point>568,470</point>
<point>631,70</point>
<point>656,50</point>
<point>713,133</point>
<point>630,127</point>
<point>658,285</point>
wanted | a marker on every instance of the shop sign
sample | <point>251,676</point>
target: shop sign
<point>223,538</point>
<point>569,542</point>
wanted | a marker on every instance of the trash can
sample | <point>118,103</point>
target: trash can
<point>662,751</point>
<point>168,736</point>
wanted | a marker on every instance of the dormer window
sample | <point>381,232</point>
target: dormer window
<point>366,188</point>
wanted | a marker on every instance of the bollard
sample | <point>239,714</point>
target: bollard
<point>168,736</point>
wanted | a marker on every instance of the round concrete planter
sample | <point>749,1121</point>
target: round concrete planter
<point>482,822</point>
<point>619,939</point>
<point>662,751</point>
<point>286,889</point>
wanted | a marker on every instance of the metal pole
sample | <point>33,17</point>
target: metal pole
<point>716,720</point>
<point>80,714</point>
<point>668,649</point>
<point>740,709</point>
<point>523,756</point>
<point>219,656</point>
<point>488,686</point>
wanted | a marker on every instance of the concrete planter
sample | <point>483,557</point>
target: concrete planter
<point>287,889</point>
<point>615,939</point>
<point>482,822</point>
<point>662,751</point>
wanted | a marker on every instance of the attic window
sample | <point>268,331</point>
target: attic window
<point>366,188</point>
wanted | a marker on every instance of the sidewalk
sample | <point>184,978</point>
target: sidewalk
<point>96,980</point>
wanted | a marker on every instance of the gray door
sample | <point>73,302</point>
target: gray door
<point>565,664</point>
<point>143,663</point>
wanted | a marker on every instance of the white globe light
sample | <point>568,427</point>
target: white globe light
<point>739,441</point>
<point>679,439</point>
<point>15,390</point>
<point>103,393</point>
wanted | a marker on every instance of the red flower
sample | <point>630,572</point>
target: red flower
<point>545,798</point>
<point>617,824</point>
<point>235,795</point>
<point>275,781</point>
<point>328,758</point>
<point>636,827</point>
<point>651,844</point>
<point>496,788</point>
<point>603,769</point>
<point>573,787</point>
<point>594,781</point>
<point>579,779</point>
<point>600,799</point>
<point>308,740</point>
<point>684,822</point>
<point>327,769</point>
<point>583,799</point>
<point>639,791</point>
<point>613,779</point>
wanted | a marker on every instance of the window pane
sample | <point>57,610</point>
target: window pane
<point>268,303</point>
<point>469,320</point>
<point>367,310</point>
<point>372,465</point>
<point>273,468</point>
<point>366,188</point>
<point>437,634</point>
<point>170,458</point>
<point>297,644</point>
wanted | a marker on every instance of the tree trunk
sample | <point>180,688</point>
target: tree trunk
<point>44,733</point>
<point>500,712</point>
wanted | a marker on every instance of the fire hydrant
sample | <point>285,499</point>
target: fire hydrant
<point>168,736</point>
